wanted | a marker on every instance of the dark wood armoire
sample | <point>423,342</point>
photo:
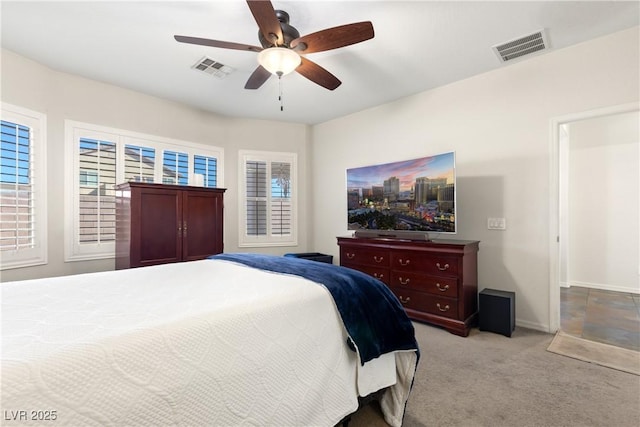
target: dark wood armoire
<point>158,223</point>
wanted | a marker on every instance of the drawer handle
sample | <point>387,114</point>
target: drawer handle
<point>403,262</point>
<point>404,282</point>
<point>350,255</point>
<point>446,307</point>
<point>441,268</point>
<point>404,300</point>
<point>378,276</point>
<point>442,288</point>
<point>378,258</point>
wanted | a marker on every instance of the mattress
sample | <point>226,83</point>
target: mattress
<point>199,343</point>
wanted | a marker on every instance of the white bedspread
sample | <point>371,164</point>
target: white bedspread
<point>199,343</point>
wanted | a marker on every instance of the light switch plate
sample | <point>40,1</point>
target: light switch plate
<point>496,223</point>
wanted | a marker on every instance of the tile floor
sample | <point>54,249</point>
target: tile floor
<point>603,316</point>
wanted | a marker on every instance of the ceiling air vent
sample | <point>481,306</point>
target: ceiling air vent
<point>214,68</point>
<point>521,46</point>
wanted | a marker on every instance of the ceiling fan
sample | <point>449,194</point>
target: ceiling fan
<point>282,46</point>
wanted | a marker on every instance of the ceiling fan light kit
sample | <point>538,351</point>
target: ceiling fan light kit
<point>282,46</point>
<point>279,60</point>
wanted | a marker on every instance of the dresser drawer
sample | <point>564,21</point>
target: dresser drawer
<point>447,307</point>
<point>381,274</point>
<point>422,301</point>
<point>410,298</point>
<point>358,256</point>
<point>437,285</point>
<point>426,263</point>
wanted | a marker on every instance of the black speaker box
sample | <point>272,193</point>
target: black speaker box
<point>497,311</point>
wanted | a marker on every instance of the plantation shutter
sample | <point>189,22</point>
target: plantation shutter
<point>175,168</point>
<point>208,168</point>
<point>256,199</point>
<point>268,203</point>
<point>17,218</point>
<point>139,163</point>
<point>97,180</point>
<point>280,198</point>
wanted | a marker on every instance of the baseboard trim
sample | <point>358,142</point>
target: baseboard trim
<point>533,325</point>
<point>604,287</point>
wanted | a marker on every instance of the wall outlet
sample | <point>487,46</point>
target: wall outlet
<point>496,223</point>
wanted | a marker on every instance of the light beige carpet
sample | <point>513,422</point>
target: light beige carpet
<point>607,355</point>
<point>489,380</point>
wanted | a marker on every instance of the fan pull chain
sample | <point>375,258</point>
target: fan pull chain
<point>280,91</point>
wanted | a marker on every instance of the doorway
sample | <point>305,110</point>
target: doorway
<point>594,278</point>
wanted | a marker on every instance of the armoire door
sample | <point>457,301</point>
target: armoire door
<point>159,219</point>
<point>201,224</point>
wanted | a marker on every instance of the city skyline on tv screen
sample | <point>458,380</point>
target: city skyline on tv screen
<point>409,195</point>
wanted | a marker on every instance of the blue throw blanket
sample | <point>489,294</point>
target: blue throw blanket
<point>372,315</point>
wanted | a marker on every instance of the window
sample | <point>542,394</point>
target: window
<point>268,202</point>
<point>97,196</point>
<point>281,198</point>
<point>175,168</point>
<point>256,198</point>
<point>208,168</point>
<point>139,163</point>
<point>23,203</point>
<point>99,158</point>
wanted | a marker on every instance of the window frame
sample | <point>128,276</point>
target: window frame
<point>37,123</point>
<point>269,240</point>
<point>74,131</point>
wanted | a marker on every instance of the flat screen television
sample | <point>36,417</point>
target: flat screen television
<point>407,199</point>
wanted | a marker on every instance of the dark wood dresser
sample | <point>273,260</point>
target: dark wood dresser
<point>158,223</point>
<point>436,281</point>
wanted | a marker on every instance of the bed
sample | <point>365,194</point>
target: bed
<point>239,339</point>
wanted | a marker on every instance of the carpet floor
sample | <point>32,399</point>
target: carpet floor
<point>487,379</point>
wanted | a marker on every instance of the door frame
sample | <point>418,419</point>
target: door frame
<point>554,197</point>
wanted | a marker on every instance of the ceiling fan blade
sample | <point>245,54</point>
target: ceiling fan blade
<point>265,17</point>
<point>257,78</point>
<point>318,75</point>
<point>217,43</point>
<point>333,38</point>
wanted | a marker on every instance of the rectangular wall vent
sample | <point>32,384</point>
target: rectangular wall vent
<point>521,46</point>
<point>214,68</point>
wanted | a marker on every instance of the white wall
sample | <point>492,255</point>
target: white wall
<point>63,96</point>
<point>499,125</point>
<point>603,196</point>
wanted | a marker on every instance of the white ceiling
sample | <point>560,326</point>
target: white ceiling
<point>418,45</point>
